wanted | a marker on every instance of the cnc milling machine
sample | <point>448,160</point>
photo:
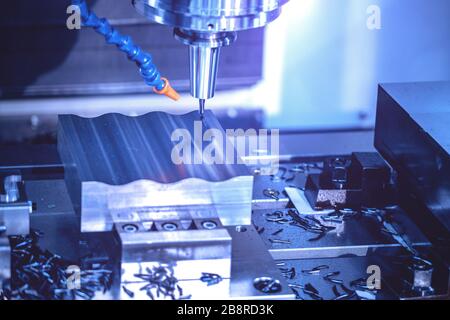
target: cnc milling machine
<point>296,216</point>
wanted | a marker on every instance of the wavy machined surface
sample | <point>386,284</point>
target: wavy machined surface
<point>118,149</point>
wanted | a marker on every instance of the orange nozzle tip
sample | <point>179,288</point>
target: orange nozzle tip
<point>172,94</point>
<point>168,91</point>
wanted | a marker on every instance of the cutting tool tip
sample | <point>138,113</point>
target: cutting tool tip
<point>201,104</point>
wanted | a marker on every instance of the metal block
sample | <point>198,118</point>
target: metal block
<point>188,252</point>
<point>370,173</point>
<point>412,135</point>
<point>14,220</point>
<point>250,261</point>
<point>116,164</point>
<point>14,209</point>
<point>15,217</point>
<point>361,180</point>
<point>322,195</point>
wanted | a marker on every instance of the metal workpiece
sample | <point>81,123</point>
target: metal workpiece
<point>116,149</point>
<point>116,165</point>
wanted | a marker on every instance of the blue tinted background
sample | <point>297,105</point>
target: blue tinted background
<point>333,62</point>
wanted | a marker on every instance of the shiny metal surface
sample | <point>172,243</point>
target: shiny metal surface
<point>10,184</point>
<point>5,259</point>
<point>103,204</point>
<point>14,220</point>
<point>15,210</point>
<point>250,258</point>
<point>15,217</point>
<point>188,252</point>
<point>298,199</point>
<point>356,237</point>
<point>204,52</point>
<point>249,261</point>
<point>206,26</point>
<point>412,134</point>
<point>189,241</point>
<point>116,149</point>
<point>211,15</point>
<point>359,240</point>
<point>201,107</point>
<point>115,166</point>
<point>204,63</point>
